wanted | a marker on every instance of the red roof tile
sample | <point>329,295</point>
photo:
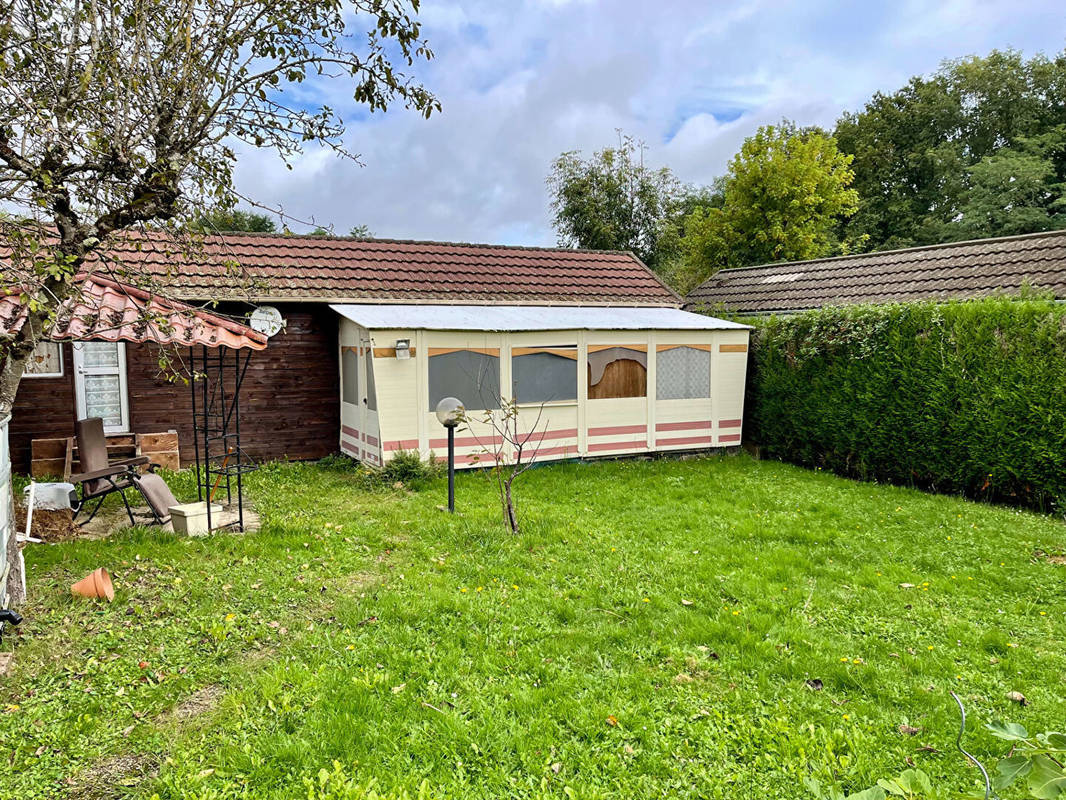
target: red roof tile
<point>278,267</point>
<point>105,309</point>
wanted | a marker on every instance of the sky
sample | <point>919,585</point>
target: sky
<point>522,81</point>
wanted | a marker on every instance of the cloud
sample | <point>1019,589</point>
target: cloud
<point>523,81</point>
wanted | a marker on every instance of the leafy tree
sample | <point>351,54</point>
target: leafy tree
<point>118,119</point>
<point>613,201</point>
<point>785,193</point>
<point>361,232</point>
<point>928,152</point>
<point>121,115</point>
<point>233,220</point>
<point>1017,189</point>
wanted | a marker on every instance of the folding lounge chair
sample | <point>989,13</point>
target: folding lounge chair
<point>100,477</point>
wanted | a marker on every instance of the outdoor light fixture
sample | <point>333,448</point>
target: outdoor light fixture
<point>450,414</point>
<point>403,348</point>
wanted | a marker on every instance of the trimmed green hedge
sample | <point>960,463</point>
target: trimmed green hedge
<point>964,397</point>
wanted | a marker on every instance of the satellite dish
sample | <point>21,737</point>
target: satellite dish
<point>267,320</point>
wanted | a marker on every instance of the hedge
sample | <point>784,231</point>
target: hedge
<point>963,397</point>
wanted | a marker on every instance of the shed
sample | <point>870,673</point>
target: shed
<point>603,380</point>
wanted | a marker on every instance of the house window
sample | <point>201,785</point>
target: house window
<point>682,372</point>
<point>349,375</point>
<point>46,361</point>
<point>617,372</point>
<point>544,374</point>
<point>472,376</point>
<point>100,383</point>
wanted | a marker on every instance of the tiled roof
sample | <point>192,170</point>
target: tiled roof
<point>105,309</point>
<point>939,272</point>
<point>279,267</point>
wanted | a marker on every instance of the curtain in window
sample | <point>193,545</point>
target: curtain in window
<point>682,373</point>
<point>46,359</point>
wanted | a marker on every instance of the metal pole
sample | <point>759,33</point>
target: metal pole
<point>195,422</point>
<point>451,469</point>
<point>237,431</point>
<point>207,438</point>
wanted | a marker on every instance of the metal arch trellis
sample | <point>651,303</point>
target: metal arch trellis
<point>216,417</point>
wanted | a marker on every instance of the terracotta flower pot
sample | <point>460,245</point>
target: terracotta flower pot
<point>97,584</point>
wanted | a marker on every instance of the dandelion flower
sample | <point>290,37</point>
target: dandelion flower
<point>464,590</point>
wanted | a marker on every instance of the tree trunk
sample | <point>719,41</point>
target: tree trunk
<point>14,365</point>
<point>512,517</point>
<point>10,376</point>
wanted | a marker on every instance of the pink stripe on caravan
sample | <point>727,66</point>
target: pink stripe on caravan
<point>350,431</point>
<point>566,449</point>
<point>631,445</point>
<point>402,444</point>
<point>684,426</point>
<point>684,440</point>
<point>370,440</point>
<point>614,430</point>
<point>565,433</point>
<point>482,460</point>
<point>733,437</point>
<point>730,423</point>
<point>467,441</point>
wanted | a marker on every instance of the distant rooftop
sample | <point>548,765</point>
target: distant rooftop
<point>939,272</point>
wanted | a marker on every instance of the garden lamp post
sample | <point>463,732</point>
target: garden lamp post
<point>450,414</point>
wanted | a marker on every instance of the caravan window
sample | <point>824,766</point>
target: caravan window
<point>544,374</point>
<point>349,375</point>
<point>617,372</point>
<point>371,389</point>
<point>471,375</point>
<point>683,372</point>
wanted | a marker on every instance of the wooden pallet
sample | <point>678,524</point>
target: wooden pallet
<point>59,457</point>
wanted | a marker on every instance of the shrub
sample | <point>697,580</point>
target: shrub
<point>964,397</point>
<point>407,466</point>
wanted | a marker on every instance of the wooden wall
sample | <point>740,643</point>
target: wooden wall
<point>289,400</point>
<point>44,408</point>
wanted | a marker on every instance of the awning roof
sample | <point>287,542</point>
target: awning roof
<point>108,310</point>
<point>529,318</point>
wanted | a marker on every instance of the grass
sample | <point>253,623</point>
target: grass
<point>650,634</point>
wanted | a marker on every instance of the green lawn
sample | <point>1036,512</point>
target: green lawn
<point>650,634</point>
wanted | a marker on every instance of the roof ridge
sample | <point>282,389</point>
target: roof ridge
<point>877,253</point>
<point>387,240</point>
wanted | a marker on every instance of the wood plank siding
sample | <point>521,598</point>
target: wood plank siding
<point>289,401</point>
